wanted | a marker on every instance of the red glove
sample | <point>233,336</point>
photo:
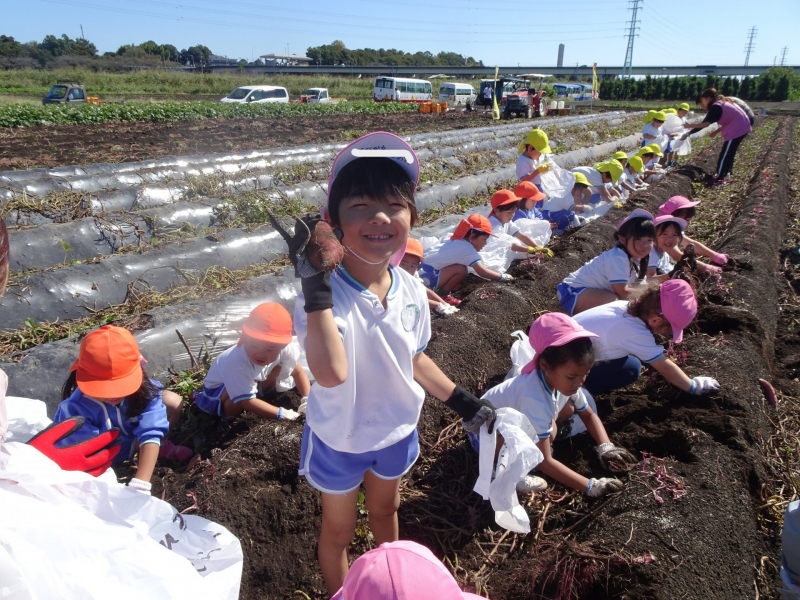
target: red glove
<point>93,456</point>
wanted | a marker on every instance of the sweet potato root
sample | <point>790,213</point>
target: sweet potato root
<point>324,250</point>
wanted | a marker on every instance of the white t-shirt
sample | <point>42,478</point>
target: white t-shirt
<point>525,166</point>
<point>593,176</point>
<point>379,402</point>
<point>612,266</point>
<point>451,252</point>
<point>619,333</point>
<point>649,129</point>
<point>234,370</point>
<point>531,396</point>
<point>498,227</point>
<point>557,204</point>
<point>659,261</point>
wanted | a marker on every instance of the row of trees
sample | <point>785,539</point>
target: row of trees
<point>338,54</point>
<point>774,85</point>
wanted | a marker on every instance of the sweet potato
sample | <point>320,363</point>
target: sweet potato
<point>323,249</point>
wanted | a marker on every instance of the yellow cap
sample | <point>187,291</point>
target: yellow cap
<point>612,167</point>
<point>683,106</point>
<point>660,115</point>
<point>656,148</point>
<point>620,156</point>
<point>581,178</point>
<point>644,150</point>
<point>538,139</point>
<point>636,164</point>
<point>649,116</point>
<point>670,111</point>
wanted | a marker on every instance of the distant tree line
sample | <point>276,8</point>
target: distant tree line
<point>774,85</point>
<point>337,53</point>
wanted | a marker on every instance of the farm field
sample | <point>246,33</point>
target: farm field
<point>698,518</point>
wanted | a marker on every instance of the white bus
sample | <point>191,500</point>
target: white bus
<point>396,89</point>
<point>457,93</point>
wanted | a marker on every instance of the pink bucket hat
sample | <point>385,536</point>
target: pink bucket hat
<point>400,571</point>
<point>638,213</point>
<point>553,329</point>
<point>682,225</point>
<point>676,203</point>
<point>678,305</point>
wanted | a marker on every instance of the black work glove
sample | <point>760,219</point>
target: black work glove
<point>314,282</point>
<point>474,411</point>
<point>687,261</point>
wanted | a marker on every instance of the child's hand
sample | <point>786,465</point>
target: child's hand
<point>615,459</point>
<point>474,411</point>
<point>544,168</point>
<point>445,309</point>
<point>617,204</point>
<point>541,251</point>
<point>703,385</point>
<point>506,278</point>
<point>92,456</point>
<point>603,487</point>
<point>287,414</point>
<point>720,259</point>
<point>713,269</point>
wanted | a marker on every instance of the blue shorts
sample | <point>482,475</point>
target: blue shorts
<point>568,296</point>
<point>595,199</point>
<point>209,400</point>
<point>429,276</point>
<point>562,218</point>
<point>334,472</point>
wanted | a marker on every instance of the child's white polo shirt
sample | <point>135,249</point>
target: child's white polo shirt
<point>612,266</point>
<point>593,176</point>
<point>234,370</point>
<point>659,261</point>
<point>451,252</point>
<point>557,204</point>
<point>379,402</point>
<point>530,395</point>
<point>649,129</point>
<point>498,227</point>
<point>619,334</point>
<point>526,166</point>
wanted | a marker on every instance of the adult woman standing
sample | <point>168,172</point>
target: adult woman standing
<point>733,123</point>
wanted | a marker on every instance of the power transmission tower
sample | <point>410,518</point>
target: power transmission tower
<point>633,27</point>
<point>783,55</point>
<point>750,45</point>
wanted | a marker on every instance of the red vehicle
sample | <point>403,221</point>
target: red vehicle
<point>529,101</point>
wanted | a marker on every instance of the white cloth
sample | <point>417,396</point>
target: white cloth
<point>509,228</point>
<point>619,334</point>
<point>66,534</point>
<point>234,370</point>
<point>379,402</point>
<point>612,266</point>
<point>521,457</point>
<point>451,252</point>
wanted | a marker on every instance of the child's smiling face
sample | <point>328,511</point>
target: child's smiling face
<point>373,229</point>
<point>260,352</point>
<point>637,248</point>
<point>668,237</point>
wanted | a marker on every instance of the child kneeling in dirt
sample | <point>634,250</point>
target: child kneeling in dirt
<point>613,274</point>
<point>504,205</point>
<point>548,392</point>
<point>602,177</point>
<point>683,208</point>
<point>532,200</point>
<point>365,326</point>
<point>669,234</point>
<point>561,211</point>
<point>412,258</point>
<point>446,263</point>
<point>625,337</point>
<point>109,388</point>
<point>242,375</point>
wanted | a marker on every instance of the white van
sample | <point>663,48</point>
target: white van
<point>257,93</point>
<point>456,94</point>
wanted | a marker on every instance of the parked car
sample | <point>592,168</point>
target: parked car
<point>257,93</point>
<point>457,94</point>
<point>318,96</point>
<point>66,92</point>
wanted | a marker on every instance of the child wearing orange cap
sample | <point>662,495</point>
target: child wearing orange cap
<point>264,357</point>
<point>109,388</point>
<point>446,263</point>
<point>504,204</point>
<point>532,199</point>
<point>412,258</point>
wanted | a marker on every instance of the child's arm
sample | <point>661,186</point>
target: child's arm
<point>628,186</point>
<point>559,471</point>
<point>604,193</point>
<point>148,455</point>
<point>325,350</point>
<point>301,381</point>
<point>704,250</point>
<point>622,290</point>
<point>675,375</point>
<point>615,193</point>
<point>525,239</point>
<point>489,274</point>
<point>594,425</point>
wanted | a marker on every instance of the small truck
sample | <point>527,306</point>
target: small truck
<point>318,96</point>
<point>66,91</point>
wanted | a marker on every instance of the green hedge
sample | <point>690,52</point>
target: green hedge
<point>25,115</point>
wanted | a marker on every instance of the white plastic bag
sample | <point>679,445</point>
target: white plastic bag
<point>497,254</point>
<point>682,147</point>
<point>26,418</point>
<point>522,457</point>
<point>557,182</point>
<point>521,353</point>
<point>673,124</point>
<point>536,229</point>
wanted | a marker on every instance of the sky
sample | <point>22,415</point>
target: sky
<point>503,33</point>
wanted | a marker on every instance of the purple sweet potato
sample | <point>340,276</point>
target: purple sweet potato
<point>323,249</point>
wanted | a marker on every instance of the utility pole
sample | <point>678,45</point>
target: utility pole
<point>783,55</point>
<point>750,45</point>
<point>633,27</point>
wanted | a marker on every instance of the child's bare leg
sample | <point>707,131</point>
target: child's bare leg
<point>591,297</point>
<point>174,406</point>
<point>301,382</point>
<point>451,276</point>
<point>565,413</point>
<point>382,499</point>
<point>338,529</point>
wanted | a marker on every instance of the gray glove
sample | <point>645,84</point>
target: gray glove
<point>703,385</point>
<point>598,488</point>
<point>615,459</point>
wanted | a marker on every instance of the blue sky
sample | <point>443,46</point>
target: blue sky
<point>502,33</point>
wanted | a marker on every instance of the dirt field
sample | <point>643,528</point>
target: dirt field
<point>691,522</point>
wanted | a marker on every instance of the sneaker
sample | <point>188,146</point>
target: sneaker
<point>716,181</point>
<point>531,484</point>
<point>451,300</point>
<point>170,451</point>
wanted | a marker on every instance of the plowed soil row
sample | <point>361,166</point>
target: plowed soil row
<point>642,543</point>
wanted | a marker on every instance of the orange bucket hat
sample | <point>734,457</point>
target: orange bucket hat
<point>503,197</point>
<point>414,248</point>
<point>109,363</point>
<point>476,221</point>
<point>269,322</point>
<point>529,191</point>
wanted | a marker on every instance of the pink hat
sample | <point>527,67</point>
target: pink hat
<point>638,213</point>
<point>400,571</point>
<point>678,305</point>
<point>682,225</point>
<point>676,203</point>
<point>553,329</point>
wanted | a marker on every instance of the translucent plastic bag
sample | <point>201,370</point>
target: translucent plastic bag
<point>682,147</point>
<point>537,229</point>
<point>557,182</point>
<point>521,353</point>
<point>673,124</point>
<point>497,254</point>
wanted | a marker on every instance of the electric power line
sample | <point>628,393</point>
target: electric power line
<point>750,45</point>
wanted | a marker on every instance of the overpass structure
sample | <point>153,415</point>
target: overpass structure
<point>487,72</point>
